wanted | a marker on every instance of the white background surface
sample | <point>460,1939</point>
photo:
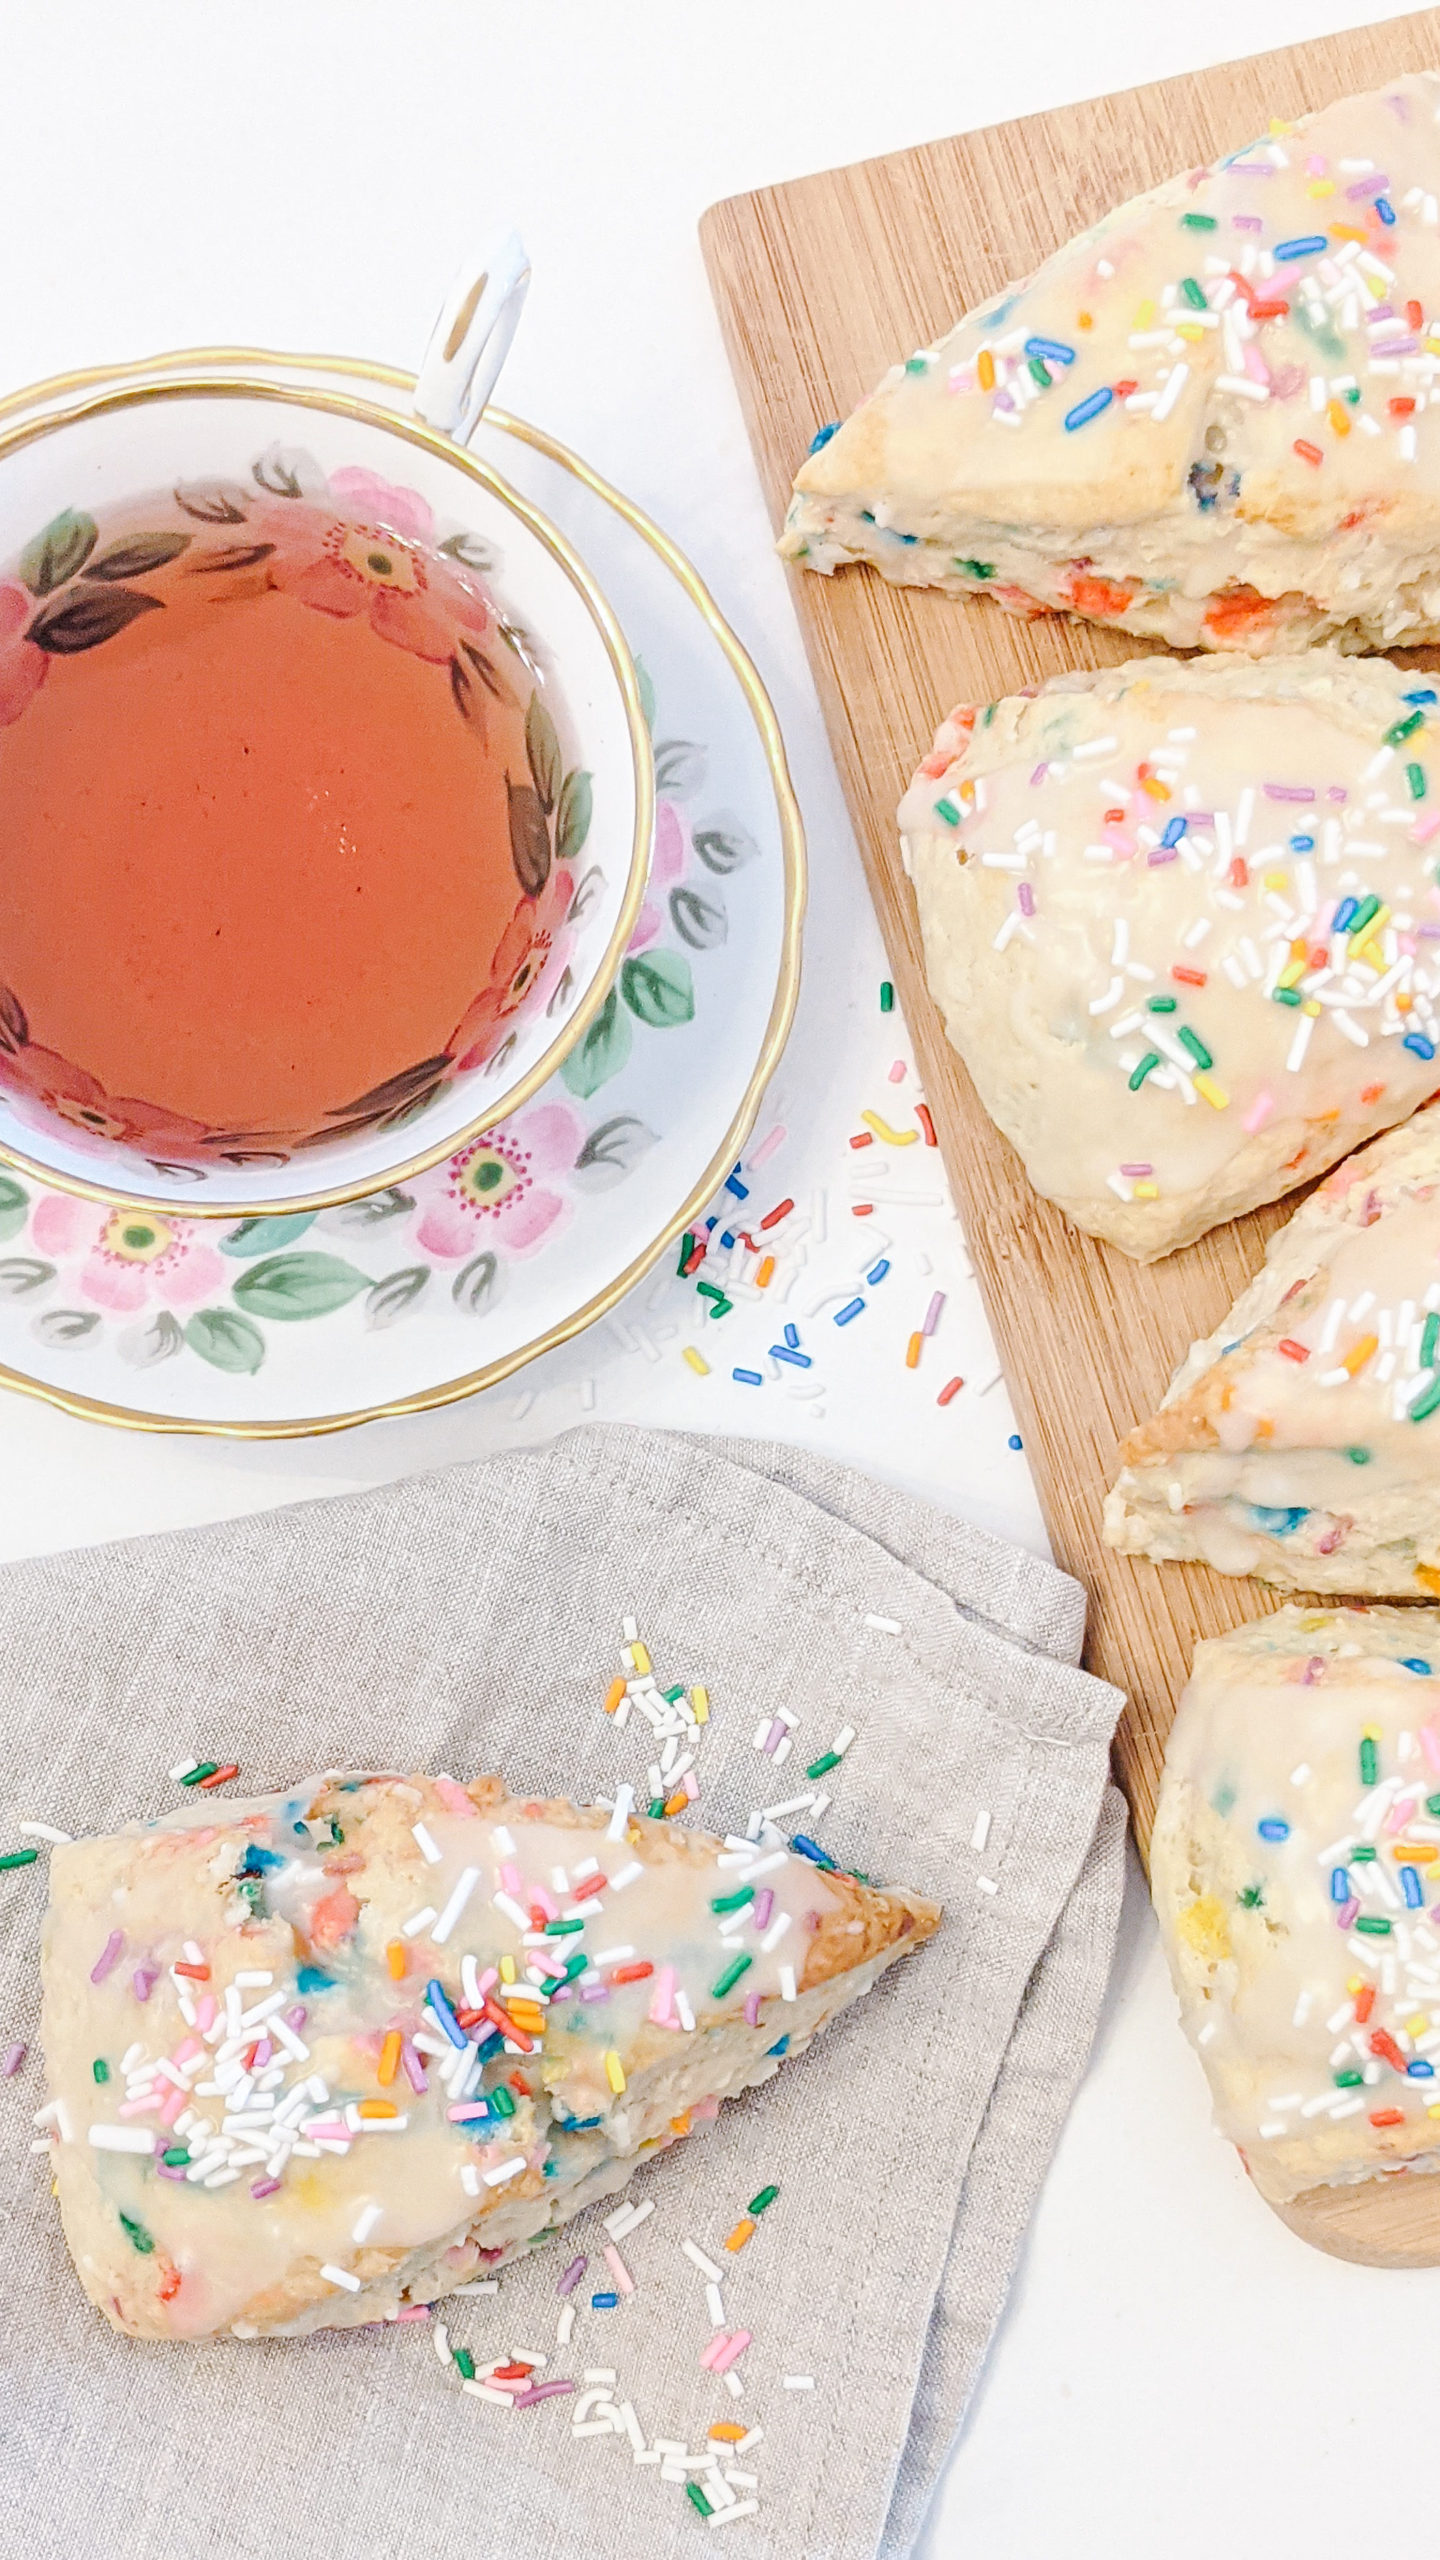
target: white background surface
<point>1176,2374</point>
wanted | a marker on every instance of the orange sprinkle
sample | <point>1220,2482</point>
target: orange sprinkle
<point>1339,417</point>
<point>1388,2115</point>
<point>744,2230</point>
<point>1084,320</point>
<point>864,1140</point>
<point>375,2107</point>
<point>766,1272</point>
<point>985,370</point>
<point>1418,1853</point>
<point>677,1802</point>
<point>912,1350</point>
<point>389,2058</point>
<point>395,1959</point>
<point>613,1696</point>
<point>1401,408</point>
<point>1364,2003</point>
<point>1371,1092</point>
<point>1308,452</point>
<point>1188,977</point>
<point>680,2125</point>
<point>725,2431</point>
<point>1365,1349</point>
<point>1157,789</point>
<point>220,1777</point>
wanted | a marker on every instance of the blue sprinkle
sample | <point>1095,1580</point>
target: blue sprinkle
<point>310,1978</point>
<point>1014,1441</point>
<point>445,2017</point>
<point>710,1225</point>
<point>1345,915</point>
<point>822,436</point>
<point>1302,844</point>
<point>1174,831</point>
<point>874,1277</point>
<point>811,1849</point>
<point>256,1861</point>
<point>1278,1520</point>
<point>1410,1886</point>
<point>1051,347</point>
<point>1419,2069</point>
<point>1274,1827</point>
<point>1339,1884</point>
<point>847,1315</point>
<point>1422,693</point>
<point>1309,247</point>
<point>579,2124</point>
<point>1385,209</point>
<point>792,1337</point>
<point>727,1240</point>
<point>1418,1045</point>
<point>1085,410</point>
<point>782,2047</point>
<point>733,1183</point>
<point>1412,1662</point>
<point>604,2301</point>
<point>747,1377</point>
<point>795,1359</point>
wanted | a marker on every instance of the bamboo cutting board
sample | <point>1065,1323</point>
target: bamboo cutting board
<point>821,285</point>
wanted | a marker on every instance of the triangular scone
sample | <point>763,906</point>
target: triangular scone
<point>1301,1442</point>
<point>1179,917</point>
<point>327,2053</point>
<point>1211,418</point>
<point>1293,1866</point>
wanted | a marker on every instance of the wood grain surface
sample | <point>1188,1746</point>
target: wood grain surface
<point>821,284</point>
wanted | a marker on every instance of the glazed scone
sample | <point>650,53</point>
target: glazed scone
<point>317,2056</point>
<point>1210,418</point>
<point>1180,919</point>
<point>1301,1442</point>
<point>1295,1867</point>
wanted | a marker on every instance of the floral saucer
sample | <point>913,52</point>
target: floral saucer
<point>425,1291</point>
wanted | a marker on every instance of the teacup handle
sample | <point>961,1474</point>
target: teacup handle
<point>471,339</point>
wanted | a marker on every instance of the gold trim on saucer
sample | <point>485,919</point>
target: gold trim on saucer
<point>28,428</point>
<point>792,836</point>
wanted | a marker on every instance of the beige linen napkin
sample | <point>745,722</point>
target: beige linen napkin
<point>471,1620</point>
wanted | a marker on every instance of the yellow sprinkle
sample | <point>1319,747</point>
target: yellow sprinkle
<point>640,1658</point>
<point>613,1696</point>
<point>1434,2107</point>
<point>1292,973</point>
<point>1311,1005</point>
<point>892,1137</point>
<point>1371,1732</point>
<point>1157,789</point>
<point>615,2071</point>
<point>912,1350</point>
<point>1339,417</point>
<point>744,2230</point>
<point>1376,290</point>
<point>1417,2025</point>
<point>1144,315</point>
<point>985,369</point>
<point>507,1968</point>
<point>1321,187</point>
<point>1189,329</point>
<point>1275,879</point>
<point>1147,1190</point>
<point>700,1705</point>
<point>1084,319</point>
<point>1211,1092</point>
<point>375,2107</point>
<point>389,2058</point>
<point>395,1959</point>
<point>1365,1349</point>
<point>1354,1982</point>
<point>694,1361</point>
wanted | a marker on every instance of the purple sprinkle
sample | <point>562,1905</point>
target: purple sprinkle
<point>1162,853</point>
<point>563,1991</point>
<point>265,2187</point>
<point>413,2068</point>
<point>108,1957</point>
<point>1428,932</point>
<point>264,2054</point>
<point>774,1737</point>
<point>1039,774</point>
<point>1003,400</point>
<point>1289,791</point>
<point>933,1313</point>
<point>295,2018</point>
<point>1199,818</point>
<point>572,2275</point>
<point>539,2391</point>
<point>1286,380</point>
<point>15,2054</point>
<point>1251,169</point>
<point>1372,186</point>
<point>595,1991</point>
<point>144,1979</point>
<point>162,2171</point>
<point>752,2009</point>
<point>764,1905</point>
<point>1336,791</point>
<point>1247,221</point>
<point>1404,346</point>
<point>1346,1912</point>
<point>1025,898</point>
<point>1137,1172</point>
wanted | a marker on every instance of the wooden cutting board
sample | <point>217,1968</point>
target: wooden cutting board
<point>821,285</point>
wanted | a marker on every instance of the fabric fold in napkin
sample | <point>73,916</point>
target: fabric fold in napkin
<point>470,1621</point>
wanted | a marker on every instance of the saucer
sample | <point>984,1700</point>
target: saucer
<point>427,1290</point>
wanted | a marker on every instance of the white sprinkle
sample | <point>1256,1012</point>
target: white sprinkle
<point>698,2259</point>
<point>986,1884</point>
<point>44,1831</point>
<point>182,1769</point>
<point>981,1832</point>
<point>120,2137</point>
<point>483,2391</point>
<point>507,2169</point>
<point>624,1807</point>
<point>885,1626</point>
<point>342,2277</point>
<point>425,1844</point>
<point>417,1921</point>
<point>732,2515</point>
<point>626,1876</point>
<point>456,1904</point>
<point>715,2305</point>
<point>797,2382</point>
<point>504,1840</point>
<point>787,1982</point>
<point>564,2325</point>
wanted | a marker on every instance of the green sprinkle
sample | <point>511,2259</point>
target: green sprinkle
<point>821,1768</point>
<point>1194,293</point>
<point>656,1808</point>
<point>202,1769</point>
<point>708,1289</point>
<point>1364,914</point>
<point>670,1695</point>
<point>1163,1004</point>
<point>1039,372</point>
<point>177,2158</point>
<point>1404,729</point>
<point>1358,1457</point>
<point>722,1307</point>
<point>1353,397</point>
<point>1197,222</point>
<point>1415,776</point>
<point>687,1247</point>
<point>767,2196</point>
<point>501,2100</point>
<point>101,2069</point>
<point>977,568</point>
<point>1369,1762</point>
<point>917,364</point>
<point>1429,1337</point>
<point>562,1928</point>
<point>988,714</point>
<point>1251,1897</point>
<point>1425,1405</point>
<point>19,1858</point>
<point>575,1965</point>
<point>693,2490</point>
<point>887,992</point>
<point>1362,1855</point>
<point>1432,1806</point>
<point>1286,995</point>
<point>1349,2079</point>
<point>1372,1928</point>
<point>465,2364</point>
<point>1147,1066</point>
<point>944,809</point>
<point>734,1901</point>
<point>137,2235</point>
<point>730,1977</point>
<point>1196,1046</point>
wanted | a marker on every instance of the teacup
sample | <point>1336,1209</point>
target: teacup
<point>252,442</point>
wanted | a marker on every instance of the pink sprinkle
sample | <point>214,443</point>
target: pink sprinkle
<point>1425,827</point>
<point>624,2281</point>
<point>933,1313</point>
<point>764,1905</point>
<point>295,2018</point>
<point>663,1998</point>
<point>413,2311</point>
<point>264,2054</point>
<point>546,1901</point>
<point>1346,1912</point>
<point>1254,362</point>
<point>468,2112</point>
<point>1039,774</point>
<point>189,2051</point>
<point>897,1072</point>
<point>1430,1742</point>
<point>1258,1113</point>
<point>774,1737</point>
<point>1400,1813</point>
<point>413,2068</point>
<point>752,2009</point>
<point>1025,898</point>
<point>706,2109</point>
<point>139,2107</point>
<point>1332,1539</point>
<point>1249,221</point>
<point>1314,1670</point>
<point>716,2348</point>
<point>1288,790</point>
<point>455,1801</point>
<point>173,2104</point>
<point>731,2351</point>
<point>488,1979</point>
<point>13,2057</point>
<point>1336,791</point>
<point>265,2187</point>
<point>691,1786</point>
<point>510,1878</point>
<point>108,1957</point>
<point>545,1963</point>
<point>597,1991</point>
<point>176,2174</point>
<point>1137,1172</point>
<point>762,1154</point>
<point>206,2011</point>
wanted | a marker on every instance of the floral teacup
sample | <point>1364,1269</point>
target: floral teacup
<point>283,473</point>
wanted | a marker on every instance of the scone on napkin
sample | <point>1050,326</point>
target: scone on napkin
<point>1301,1440</point>
<point>1208,419</point>
<point>1179,918</point>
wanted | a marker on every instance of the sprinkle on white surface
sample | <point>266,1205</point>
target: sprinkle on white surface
<point>981,1832</point>
<point>342,2277</point>
<point>120,2137</point>
<point>883,1626</point>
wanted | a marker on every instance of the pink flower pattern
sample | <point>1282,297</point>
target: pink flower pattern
<point>494,1191</point>
<point>127,1256</point>
<point>379,566</point>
